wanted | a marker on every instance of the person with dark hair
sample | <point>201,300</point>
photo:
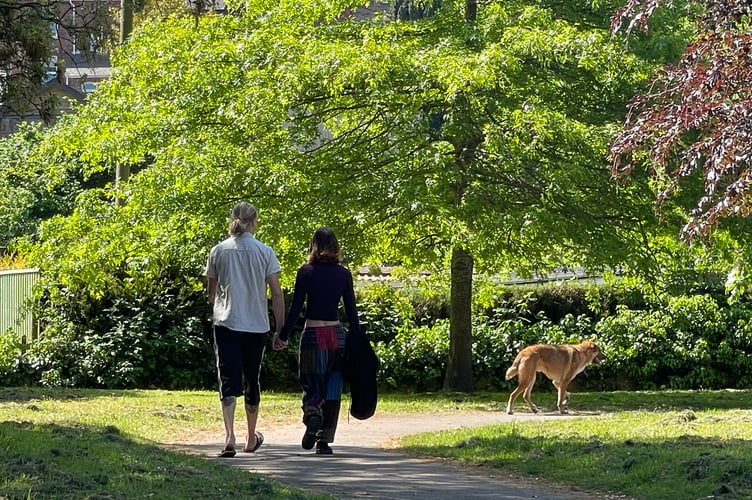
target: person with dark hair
<point>322,283</point>
<point>239,270</point>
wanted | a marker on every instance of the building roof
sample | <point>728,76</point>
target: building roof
<point>88,72</point>
<point>384,274</point>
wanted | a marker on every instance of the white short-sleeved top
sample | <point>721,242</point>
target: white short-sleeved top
<point>241,264</point>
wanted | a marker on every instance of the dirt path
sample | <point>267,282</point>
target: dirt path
<point>365,463</point>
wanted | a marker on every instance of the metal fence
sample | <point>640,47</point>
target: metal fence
<point>16,288</point>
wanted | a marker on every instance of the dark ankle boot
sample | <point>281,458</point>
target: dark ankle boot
<point>323,448</point>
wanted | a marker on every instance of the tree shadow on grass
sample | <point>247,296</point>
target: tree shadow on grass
<point>664,400</point>
<point>687,466</point>
<point>23,394</point>
<point>76,462</point>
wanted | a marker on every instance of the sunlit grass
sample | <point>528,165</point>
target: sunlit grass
<point>159,416</point>
<point>66,443</point>
<point>655,445</point>
<point>672,455</point>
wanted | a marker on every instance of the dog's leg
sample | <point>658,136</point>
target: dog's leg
<point>565,403</point>
<point>563,396</point>
<point>513,397</point>
<point>526,395</point>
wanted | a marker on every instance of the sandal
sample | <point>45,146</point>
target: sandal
<point>259,442</point>
<point>228,452</point>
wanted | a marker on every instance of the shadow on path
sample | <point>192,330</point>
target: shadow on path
<point>361,468</point>
<point>358,472</point>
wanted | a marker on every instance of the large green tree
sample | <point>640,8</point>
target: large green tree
<point>468,142</point>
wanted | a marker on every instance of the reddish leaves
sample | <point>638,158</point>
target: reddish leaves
<point>696,114</point>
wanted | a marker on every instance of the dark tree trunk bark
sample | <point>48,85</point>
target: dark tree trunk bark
<point>471,10</point>
<point>459,372</point>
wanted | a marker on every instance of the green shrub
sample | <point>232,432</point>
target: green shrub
<point>14,367</point>
<point>158,334</point>
<point>557,301</point>
<point>383,310</point>
<point>415,359</point>
<point>689,343</point>
<point>125,341</point>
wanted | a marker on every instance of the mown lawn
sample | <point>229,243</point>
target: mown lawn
<point>676,445</point>
<point>67,443</point>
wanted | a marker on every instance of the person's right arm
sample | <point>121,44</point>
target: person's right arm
<point>212,290</point>
<point>278,301</point>
<point>296,305</point>
<point>211,276</point>
<point>278,308</point>
<point>351,311</point>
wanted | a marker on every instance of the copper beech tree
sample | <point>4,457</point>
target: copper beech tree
<point>695,118</point>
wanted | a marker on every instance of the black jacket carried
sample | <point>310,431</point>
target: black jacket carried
<point>360,369</point>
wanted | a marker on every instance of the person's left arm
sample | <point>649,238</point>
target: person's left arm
<point>351,311</point>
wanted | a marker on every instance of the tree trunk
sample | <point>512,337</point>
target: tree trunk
<point>471,10</point>
<point>459,372</point>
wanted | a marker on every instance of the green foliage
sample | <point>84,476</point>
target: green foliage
<point>689,342</point>
<point>406,138</point>
<point>26,194</point>
<point>384,309</point>
<point>14,367</point>
<point>415,359</point>
<point>27,49</point>
<point>323,122</point>
<point>26,36</point>
<point>410,10</point>
<point>684,342</point>
<point>122,341</point>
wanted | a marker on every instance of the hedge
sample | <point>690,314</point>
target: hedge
<point>693,341</point>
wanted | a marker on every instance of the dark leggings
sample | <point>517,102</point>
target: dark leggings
<point>239,356</point>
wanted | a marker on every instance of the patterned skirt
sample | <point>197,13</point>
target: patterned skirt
<point>320,375</point>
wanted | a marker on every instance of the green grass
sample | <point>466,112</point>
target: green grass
<point>66,443</point>
<point>92,444</point>
<point>652,445</point>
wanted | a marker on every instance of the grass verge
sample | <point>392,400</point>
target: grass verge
<point>93,444</point>
<point>652,445</point>
<point>66,443</point>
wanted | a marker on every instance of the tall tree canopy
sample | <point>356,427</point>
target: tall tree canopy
<point>694,122</point>
<point>696,117</point>
<point>475,144</point>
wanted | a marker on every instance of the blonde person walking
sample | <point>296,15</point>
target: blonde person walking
<point>239,271</point>
<point>321,283</point>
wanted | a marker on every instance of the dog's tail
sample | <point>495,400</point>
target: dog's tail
<point>512,370</point>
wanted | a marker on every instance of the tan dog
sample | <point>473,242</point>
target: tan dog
<point>560,363</point>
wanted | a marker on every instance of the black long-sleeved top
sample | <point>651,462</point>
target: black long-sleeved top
<point>321,286</point>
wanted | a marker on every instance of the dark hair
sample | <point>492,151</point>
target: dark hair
<point>324,247</point>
